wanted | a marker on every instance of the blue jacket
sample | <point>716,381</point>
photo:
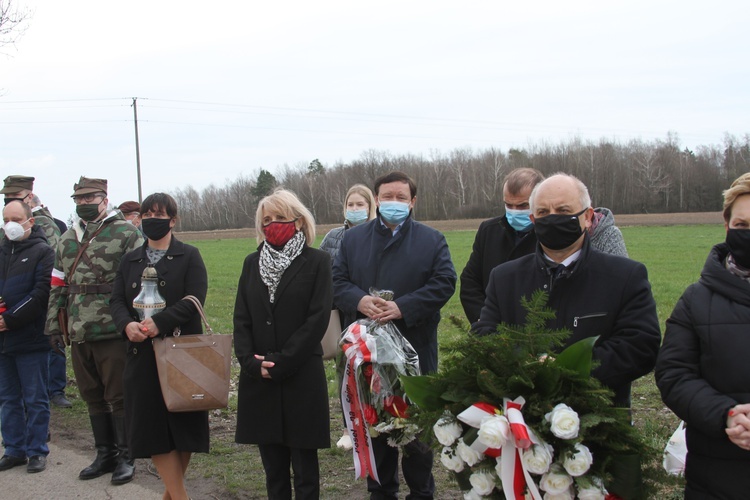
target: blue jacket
<point>415,263</point>
<point>25,274</point>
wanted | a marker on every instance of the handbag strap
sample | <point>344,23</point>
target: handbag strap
<point>199,307</point>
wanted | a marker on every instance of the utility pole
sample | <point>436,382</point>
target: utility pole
<point>137,149</point>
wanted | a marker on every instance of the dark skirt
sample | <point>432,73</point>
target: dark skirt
<point>151,429</point>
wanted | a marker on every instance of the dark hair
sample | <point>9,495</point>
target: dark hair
<point>155,202</point>
<point>395,177</point>
<point>520,178</point>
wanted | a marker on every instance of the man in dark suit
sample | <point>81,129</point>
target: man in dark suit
<point>394,252</point>
<point>500,239</point>
<point>592,293</point>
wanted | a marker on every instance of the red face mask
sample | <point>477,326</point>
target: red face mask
<point>278,233</point>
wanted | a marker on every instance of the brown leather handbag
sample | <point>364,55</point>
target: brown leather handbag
<point>194,370</point>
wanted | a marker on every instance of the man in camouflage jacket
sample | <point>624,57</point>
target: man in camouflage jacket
<point>98,349</point>
<point>21,187</point>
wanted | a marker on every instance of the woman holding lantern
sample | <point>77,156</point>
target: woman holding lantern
<point>168,438</point>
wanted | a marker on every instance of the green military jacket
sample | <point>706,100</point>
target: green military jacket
<point>43,218</point>
<point>86,293</point>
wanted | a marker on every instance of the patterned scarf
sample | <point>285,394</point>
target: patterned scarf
<point>274,262</point>
<point>736,269</point>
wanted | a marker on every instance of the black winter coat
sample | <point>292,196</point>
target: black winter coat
<point>151,428</point>
<point>702,371</point>
<point>415,263</point>
<point>290,408</point>
<point>600,294</point>
<point>496,242</point>
<point>26,268</point>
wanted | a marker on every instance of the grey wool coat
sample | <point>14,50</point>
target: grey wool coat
<point>290,408</point>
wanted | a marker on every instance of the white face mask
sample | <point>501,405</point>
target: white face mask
<point>15,231</point>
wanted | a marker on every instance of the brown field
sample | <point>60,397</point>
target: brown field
<point>671,219</point>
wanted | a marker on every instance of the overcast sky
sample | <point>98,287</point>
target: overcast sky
<point>228,87</point>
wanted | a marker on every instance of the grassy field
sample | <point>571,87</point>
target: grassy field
<point>673,255</point>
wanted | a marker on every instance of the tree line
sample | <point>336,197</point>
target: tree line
<point>628,177</point>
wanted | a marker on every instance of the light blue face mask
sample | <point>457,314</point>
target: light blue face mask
<point>394,212</point>
<point>356,216</point>
<point>518,219</point>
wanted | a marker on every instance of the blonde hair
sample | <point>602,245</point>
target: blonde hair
<point>739,187</point>
<point>365,193</point>
<point>286,203</point>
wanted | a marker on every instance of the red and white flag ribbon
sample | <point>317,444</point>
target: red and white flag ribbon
<point>473,416</point>
<point>514,477</point>
<point>359,348</point>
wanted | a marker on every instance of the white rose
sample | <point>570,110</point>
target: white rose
<point>451,460</point>
<point>538,458</point>
<point>563,421</point>
<point>471,457</point>
<point>591,493</point>
<point>494,431</point>
<point>555,481</point>
<point>482,483</point>
<point>578,463</point>
<point>568,494</point>
<point>447,431</point>
<point>472,495</point>
<point>590,488</point>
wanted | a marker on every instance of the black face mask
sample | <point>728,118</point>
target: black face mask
<point>155,229</point>
<point>738,241</point>
<point>558,231</point>
<point>8,200</point>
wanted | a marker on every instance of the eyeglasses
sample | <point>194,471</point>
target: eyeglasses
<point>87,198</point>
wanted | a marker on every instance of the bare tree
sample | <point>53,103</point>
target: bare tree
<point>13,22</point>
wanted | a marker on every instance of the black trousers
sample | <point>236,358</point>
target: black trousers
<point>416,465</point>
<point>276,461</point>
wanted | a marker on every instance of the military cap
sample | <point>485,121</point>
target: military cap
<point>86,185</point>
<point>16,183</point>
<point>128,207</point>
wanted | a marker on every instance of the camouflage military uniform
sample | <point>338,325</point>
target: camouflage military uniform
<point>89,318</point>
<point>43,218</point>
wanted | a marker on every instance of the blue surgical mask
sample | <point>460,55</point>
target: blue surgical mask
<point>394,212</point>
<point>356,216</point>
<point>518,219</point>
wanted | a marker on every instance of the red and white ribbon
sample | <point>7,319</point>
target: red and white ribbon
<point>514,477</point>
<point>359,348</point>
<point>473,416</point>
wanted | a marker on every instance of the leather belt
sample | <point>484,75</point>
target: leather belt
<point>90,288</point>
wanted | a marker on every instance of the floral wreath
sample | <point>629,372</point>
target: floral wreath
<point>512,422</point>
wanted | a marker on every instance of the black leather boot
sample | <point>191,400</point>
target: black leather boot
<point>106,450</point>
<point>125,468</point>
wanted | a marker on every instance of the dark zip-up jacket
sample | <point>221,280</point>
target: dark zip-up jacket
<point>496,242</point>
<point>600,294</point>
<point>25,267</point>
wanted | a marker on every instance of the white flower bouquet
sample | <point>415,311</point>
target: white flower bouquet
<point>512,423</point>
